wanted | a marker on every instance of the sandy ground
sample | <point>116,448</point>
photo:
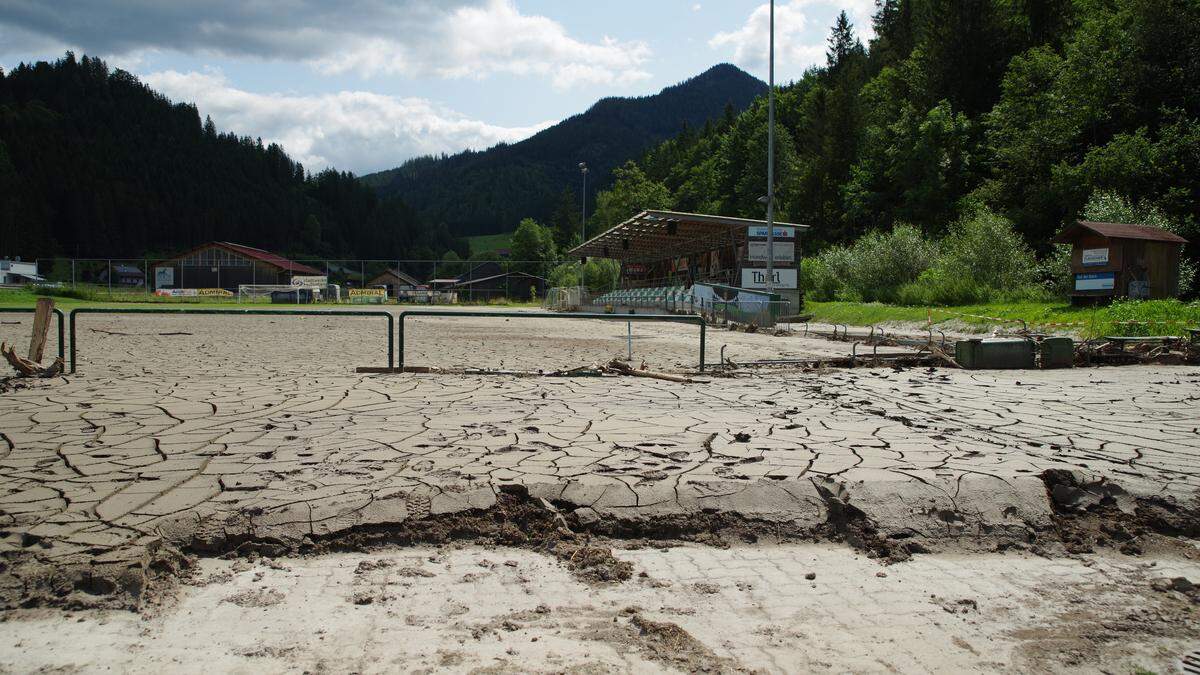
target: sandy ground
<point>125,344</point>
<point>206,436</point>
<point>459,609</point>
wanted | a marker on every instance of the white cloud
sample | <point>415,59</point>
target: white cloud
<point>355,130</point>
<point>439,38</point>
<point>800,33</point>
<point>478,41</point>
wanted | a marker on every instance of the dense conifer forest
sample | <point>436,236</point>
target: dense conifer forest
<point>94,163</point>
<point>1026,107</point>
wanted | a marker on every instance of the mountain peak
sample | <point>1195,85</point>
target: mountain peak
<point>490,191</point>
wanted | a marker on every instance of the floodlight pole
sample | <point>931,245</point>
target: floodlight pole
<point>582,229</point>
<point>771,158</point>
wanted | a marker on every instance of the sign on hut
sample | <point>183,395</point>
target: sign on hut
<point>1119,260</point>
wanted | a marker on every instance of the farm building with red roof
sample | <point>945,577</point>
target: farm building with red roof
<point>222,264</point>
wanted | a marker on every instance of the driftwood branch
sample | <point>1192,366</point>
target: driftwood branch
<point>27,368</point>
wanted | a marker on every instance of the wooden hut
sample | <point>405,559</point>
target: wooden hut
<point>1122,260</point>
<point>397,282</point>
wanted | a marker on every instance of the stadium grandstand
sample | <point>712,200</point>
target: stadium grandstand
<point>673,261</point>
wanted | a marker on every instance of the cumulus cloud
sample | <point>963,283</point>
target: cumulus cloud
<point>356,130</point>
<point>441,38</point>
<point>799,38</point>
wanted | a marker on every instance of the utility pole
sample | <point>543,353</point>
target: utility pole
<point>771,158</point>
<point>583,230</point>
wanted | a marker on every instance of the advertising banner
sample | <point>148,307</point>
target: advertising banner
<point>785,251</point>
<point>310,282</point>
<point>784,278</point>
<point>1095,281</point>
<point>164,276</point>
<point>1095,257</point>
<point>193,292</point>
<point>760,232</point>
<point>367,295</point>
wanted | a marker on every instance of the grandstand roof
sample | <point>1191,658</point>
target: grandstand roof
<point>654,235</point>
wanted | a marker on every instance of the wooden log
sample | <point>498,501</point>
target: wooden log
<point>623,369</point>
<point>27,368</point>
<point>41,328</point>
<point>23,367</point>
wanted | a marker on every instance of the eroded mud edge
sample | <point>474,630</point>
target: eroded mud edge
<point>1055,513</point>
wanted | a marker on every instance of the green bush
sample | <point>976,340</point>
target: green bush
<point>981,259</point>
<point>983,247</point>
<point>881,262</point>
<point>818,279</point>
<point>937,287</point>
<point>870,270</point>
<point>1176,315</point>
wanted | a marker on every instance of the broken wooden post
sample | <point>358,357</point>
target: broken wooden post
<point>41,328</point>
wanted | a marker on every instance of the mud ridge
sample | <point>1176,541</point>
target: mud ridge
<point>1086,514</point>
<point>1098,513</point>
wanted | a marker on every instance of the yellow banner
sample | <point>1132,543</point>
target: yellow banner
<point>359,292</point>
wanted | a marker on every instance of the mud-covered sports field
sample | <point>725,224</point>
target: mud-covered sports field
<point>227,492</point>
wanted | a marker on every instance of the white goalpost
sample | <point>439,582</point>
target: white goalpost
<point>254,292</point>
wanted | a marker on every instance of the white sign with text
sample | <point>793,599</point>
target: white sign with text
<point>785,251</point>
<point>781,232</point>
<point>1093,257</point>
<point>785,278</point>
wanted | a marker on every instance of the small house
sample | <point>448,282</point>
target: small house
<point>396,281</point>
<point>1122,260</point>
<point>17,272</point>
<point>122,275</point>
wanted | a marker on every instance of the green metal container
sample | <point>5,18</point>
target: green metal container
<point>1058,352</point>
<point>994,353</point>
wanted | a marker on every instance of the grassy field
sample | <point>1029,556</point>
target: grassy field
<point>68,299</point>
<point>1175,316</point>
<point>490,242</point>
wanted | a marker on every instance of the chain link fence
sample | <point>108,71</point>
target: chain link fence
<point>669,300</point>
<point>421,281</point>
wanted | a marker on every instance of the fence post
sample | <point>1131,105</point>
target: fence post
<point>110,277</point>
<point>72,273</point>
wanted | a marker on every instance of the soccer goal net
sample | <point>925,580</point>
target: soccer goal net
<point>255,292</point>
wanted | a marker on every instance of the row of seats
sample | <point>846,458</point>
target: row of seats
<point>667,297</point>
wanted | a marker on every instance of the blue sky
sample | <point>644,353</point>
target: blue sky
<point>365,84</point>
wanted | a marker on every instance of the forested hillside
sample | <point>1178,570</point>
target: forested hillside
<point>1028,107</point>
<point>94,163</point>
<point>490,191</point>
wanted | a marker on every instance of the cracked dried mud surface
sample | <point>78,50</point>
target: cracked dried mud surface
<point>237,438</point>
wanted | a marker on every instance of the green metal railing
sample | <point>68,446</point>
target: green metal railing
<point>58,314</point>
<point>391,329</point>
<point>671,318</point>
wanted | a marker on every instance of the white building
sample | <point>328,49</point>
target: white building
<point>17,272</point>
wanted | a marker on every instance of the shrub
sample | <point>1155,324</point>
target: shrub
<point>1181,313</point>
<point>1053,273</point>
<point>937,287</point>
<point>983,247</point>
<point>818,279</point>
<point>882,262</point>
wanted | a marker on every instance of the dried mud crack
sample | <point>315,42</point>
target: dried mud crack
<point>1085,515</point>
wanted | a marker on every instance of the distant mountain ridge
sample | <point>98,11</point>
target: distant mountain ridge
<point>489,191</point>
